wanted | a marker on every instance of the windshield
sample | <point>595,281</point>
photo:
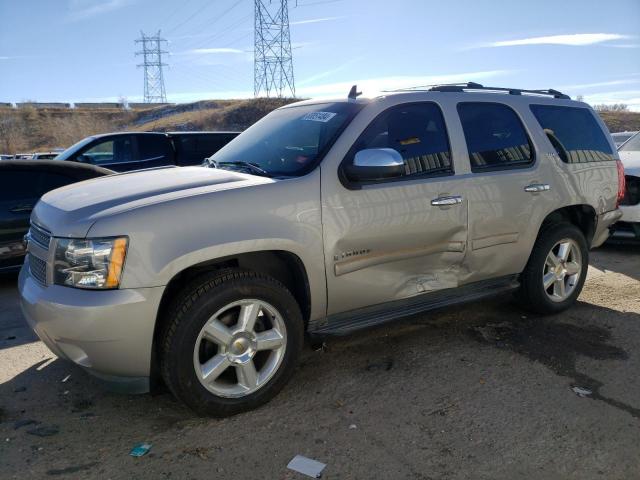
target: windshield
<point>289,141</point>
<point>74,148</point>
<point>632,145</point>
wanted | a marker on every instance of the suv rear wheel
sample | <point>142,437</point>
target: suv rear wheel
<point>557,269</point>
<point>231,342</point>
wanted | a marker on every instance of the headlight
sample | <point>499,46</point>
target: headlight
<point>94,263</point>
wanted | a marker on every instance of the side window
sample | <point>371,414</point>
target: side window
<point>114,150</point>
<point>417,132</point>
<point>153,147</point>
<point>495,136</point>
<point>99,154</point>
<point>574,133</point>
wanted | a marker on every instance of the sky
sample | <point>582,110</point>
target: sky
<point>83,50</point>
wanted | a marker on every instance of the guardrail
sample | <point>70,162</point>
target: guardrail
<point>83,105</point>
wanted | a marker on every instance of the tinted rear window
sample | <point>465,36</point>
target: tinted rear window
<point>495,136</point>
<point>574,133</point>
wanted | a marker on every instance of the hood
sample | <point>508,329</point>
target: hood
<point>70,211</point>
<point>631,162</point>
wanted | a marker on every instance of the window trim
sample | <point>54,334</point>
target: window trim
<point>352,185</point>
<point>499,168</point>
<point>592,113</point>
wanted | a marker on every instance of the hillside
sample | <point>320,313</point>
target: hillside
<point>30,129</point>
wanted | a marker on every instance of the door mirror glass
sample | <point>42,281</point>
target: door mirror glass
<point>376,164</point>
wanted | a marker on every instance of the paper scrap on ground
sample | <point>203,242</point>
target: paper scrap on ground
<point>306,466</point>
<point>581,392</point>
<point>140,449</point>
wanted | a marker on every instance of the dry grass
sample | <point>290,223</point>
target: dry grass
<point>28,129</point>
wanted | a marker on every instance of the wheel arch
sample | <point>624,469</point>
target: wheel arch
<point>284,266</point>
<point>582,216</point>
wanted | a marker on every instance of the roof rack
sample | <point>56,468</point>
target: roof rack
<point>472,86</point>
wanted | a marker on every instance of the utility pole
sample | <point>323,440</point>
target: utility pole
<point>152,62</point>
<point>273,62</point>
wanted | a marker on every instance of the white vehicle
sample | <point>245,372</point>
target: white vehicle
<point>629,225</point>
<point>6,157</point>
<point>44,156</point>
<point>620,137</point>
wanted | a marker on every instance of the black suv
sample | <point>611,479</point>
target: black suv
<point>22,183</point>
<point>127,151</point>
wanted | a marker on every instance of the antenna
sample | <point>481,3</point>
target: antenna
<point>151,52</point>
<point>273,62</point>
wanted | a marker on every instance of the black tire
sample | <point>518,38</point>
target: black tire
<point>191,309</point>
<point>532,294</point>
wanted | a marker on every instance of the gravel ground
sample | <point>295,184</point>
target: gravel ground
<point>479,391</point>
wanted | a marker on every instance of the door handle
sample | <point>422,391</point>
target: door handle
<point>537,188</point>
<point>21,209</point>
<point>444,201</point>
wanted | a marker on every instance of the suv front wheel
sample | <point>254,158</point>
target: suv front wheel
<point>231,342</point>
<point>556,270</point>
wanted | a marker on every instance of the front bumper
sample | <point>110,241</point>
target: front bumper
<point>108,332</point>
<point>603,223</point>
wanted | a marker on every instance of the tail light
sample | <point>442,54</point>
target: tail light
<point>621,183</point>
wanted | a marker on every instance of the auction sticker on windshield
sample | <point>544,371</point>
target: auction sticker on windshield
<point>323,117</point>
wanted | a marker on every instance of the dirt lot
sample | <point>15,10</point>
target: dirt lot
<point>480,391</point>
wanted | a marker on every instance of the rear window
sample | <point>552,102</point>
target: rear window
<point>495,137</point>
<point>574,133</point>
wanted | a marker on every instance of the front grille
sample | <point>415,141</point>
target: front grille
<point>38,269</point>
<point>39,236</point>
<point>632,191</point>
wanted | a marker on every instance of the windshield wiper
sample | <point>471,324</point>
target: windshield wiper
<point>252,167</point>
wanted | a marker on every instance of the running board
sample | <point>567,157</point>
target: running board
<point>348,322</point>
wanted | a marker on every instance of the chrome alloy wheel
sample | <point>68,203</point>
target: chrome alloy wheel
<point>240,348</point>
<point>562,270</point>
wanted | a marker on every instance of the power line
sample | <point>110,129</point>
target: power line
<point>273,62</point>
<point>206,4</point>
<point>151,52</point>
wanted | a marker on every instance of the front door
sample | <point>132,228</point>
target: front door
<point>401,237</point>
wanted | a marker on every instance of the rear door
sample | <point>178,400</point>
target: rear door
<point>510,189</point>
<point>193,148</point>
<point>153,150</point>
<point>390,240</point>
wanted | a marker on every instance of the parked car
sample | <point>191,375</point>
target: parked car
<point>134,150</point>
<point>628,228</point>
<point>22,183</point>
<point>323,218</point>
<point>6,157</point>
<point>23,156</point>
<point>44,155</point>
<point>620,137</point>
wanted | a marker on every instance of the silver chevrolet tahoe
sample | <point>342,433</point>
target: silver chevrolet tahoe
<point>323,218</point>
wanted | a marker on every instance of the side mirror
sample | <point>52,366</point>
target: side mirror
<point>376,164</point>
<point>83,159</point>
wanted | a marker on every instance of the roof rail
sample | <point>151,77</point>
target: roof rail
<point>472,86</point>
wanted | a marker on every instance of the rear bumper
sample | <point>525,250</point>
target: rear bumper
<point>603,223</point>
<point>108,333</point>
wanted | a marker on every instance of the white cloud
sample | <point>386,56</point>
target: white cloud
<point>575,40</point>
<point>315,20</point>
<point>608,83</point>
<point>83,9</point>
<point>628,97</point>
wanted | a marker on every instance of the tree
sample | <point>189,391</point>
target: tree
<point>614,107</point>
